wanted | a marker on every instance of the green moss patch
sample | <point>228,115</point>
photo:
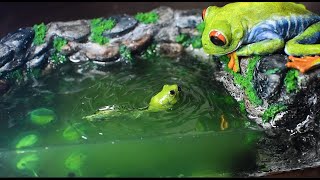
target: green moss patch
<point>147,18</point>
<point>57,57</point>
<point>245,82</point>
<point>125,53</point>
<point>98,26</point>
<point>272,111</point>
<point>290,80</point>
<point>40,31</point>
<point>185,40</point>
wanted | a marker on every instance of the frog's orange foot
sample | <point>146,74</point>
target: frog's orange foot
<point>234,62</point>
<point>303,64</point>
<point>223,123</point>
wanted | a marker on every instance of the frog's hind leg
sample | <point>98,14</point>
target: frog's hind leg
<point>306,44</point>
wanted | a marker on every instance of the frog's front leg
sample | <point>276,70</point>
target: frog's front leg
<point>264,47</point>
<point>307,43</point>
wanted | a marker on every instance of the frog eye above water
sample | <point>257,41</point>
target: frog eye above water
<point>204,13</point>
<point>217,38</point>
<point>172,92</point>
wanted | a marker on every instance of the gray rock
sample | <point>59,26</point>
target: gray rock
<point>167,34</point>
<point>138,44</point>
<point>124,24</point>
<point>170,49</point>
<point>166,16</point>
<point>6,54</point>
<point>269,74</point>
<point>37,61</point>
<point>71,30</point>
<point>94,51</point>
<point>20,40</point>
<point>188,19</point>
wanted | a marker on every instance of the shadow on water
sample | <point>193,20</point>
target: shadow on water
<point>204,134</point>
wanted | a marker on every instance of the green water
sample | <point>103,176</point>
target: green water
<point>186,140</point>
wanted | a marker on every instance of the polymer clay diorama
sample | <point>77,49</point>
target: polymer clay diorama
<point>228,91</point>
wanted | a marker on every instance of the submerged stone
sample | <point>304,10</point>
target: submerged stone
<point>28,162</point>
<point>75,161</point>
<point>42,116</point>
<point>26,141</point>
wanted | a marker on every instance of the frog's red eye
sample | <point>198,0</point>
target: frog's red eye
<point>204,13</point>
<point>217,38</point>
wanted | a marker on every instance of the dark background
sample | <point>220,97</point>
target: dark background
<point>14,15</point>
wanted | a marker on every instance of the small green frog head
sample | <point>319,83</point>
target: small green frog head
<point>166,98</point>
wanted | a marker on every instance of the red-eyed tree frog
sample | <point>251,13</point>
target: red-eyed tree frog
<point>261,28</point>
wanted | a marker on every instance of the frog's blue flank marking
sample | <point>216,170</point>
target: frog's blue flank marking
<point>282,28</point>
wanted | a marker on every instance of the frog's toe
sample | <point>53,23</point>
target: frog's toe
<point>303,64</point>
<point>234,62</point>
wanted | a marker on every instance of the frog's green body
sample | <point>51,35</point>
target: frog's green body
<point>248,28</point>
<point>164,100</point>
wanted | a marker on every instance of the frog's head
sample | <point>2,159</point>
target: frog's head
<point>222,35</point>
<point>166,98</point>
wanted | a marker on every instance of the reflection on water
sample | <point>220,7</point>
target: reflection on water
<point>204,134</point>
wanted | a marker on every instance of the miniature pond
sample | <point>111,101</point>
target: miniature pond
<point>187,140</point>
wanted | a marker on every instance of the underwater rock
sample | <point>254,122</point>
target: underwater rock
<point>269,76</point>
<point>71,30</point>
<point>4,86</point>
<point>170,49</point>
<point>167,34</point>
<point>124,24</point>
<point>20,40</point>
<point>41,116</point>
<point>6,54</point>
<point>27,141</point>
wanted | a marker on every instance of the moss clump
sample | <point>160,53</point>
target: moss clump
<point>125,53</point>
<point>242,107</point>
<point>200,27</point>
<point>272,111</point>
<point>185,40</point>
<point>147,18</point>
<point>290,80</point>
<point>150,52</point>
<point>57,57</point>
<point>40,31</point>
<point>245,82</point>
<point>98,26</point>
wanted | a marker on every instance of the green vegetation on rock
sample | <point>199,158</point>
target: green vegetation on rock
<point>57,57</point>
<point>272,111</point>
<point>147,18</point>
<point>200,27</point>
<point>40,31</point>
<point>185,40</point>
<point>125,53</point>
<point>98,26</point>
<point>150,52</point>
<point>290,80</point>
<point>245,82</point>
